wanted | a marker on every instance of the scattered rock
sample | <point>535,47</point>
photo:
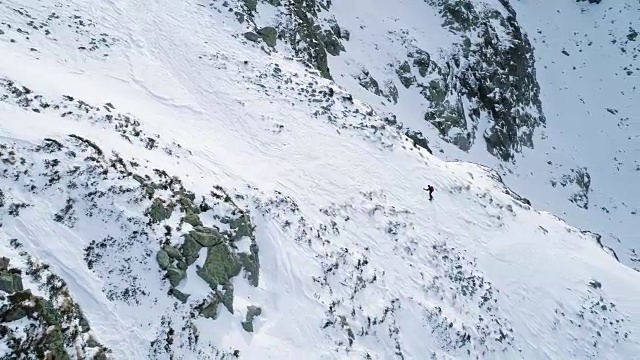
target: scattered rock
<point>391,91</point>
<point>239,16</point>
<point>368,82</point>
<point>92,342</point>
<point>421,60</point>
<point>419,140</point>
<point>581,178</point>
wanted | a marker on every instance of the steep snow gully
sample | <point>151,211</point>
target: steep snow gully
<point>172,187</point>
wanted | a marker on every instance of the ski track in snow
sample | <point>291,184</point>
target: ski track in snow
<point>216,114</point>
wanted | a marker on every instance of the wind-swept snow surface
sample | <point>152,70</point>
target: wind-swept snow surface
<point>169,189</point>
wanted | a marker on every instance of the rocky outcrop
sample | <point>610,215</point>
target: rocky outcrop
<point>496,77</point>
<point>51,326</point>
<point>223,261</point>
<point>310,35</point>
<point>164,207</point>
<point>489,75</point>
<point>219,267</point>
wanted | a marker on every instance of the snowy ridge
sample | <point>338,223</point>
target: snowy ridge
<point>202,196</point>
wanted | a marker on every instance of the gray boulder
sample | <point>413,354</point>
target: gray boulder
<point>179,295</point>
<point>6,282</point>
<point>163,259</point>
<point>175,276</point>
<point>207,237</point>
<point>172,251</point>
<point>269,35</point>
<point>251,36</point>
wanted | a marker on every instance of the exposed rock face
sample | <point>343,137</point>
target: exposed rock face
<point>496,76</point>
<point>223,261</point>
<point>305,31</point>
<point>491,77</point>
<point>179,295</point>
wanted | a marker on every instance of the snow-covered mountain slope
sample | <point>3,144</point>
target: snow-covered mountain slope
<point>171,189</point>
<point>541,91</point>
<point>588,68</point>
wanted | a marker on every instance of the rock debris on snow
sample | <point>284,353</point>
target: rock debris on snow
<point>243,179</point>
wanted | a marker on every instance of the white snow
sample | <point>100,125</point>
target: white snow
<point>539,267</point>
<point>576,91</point>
